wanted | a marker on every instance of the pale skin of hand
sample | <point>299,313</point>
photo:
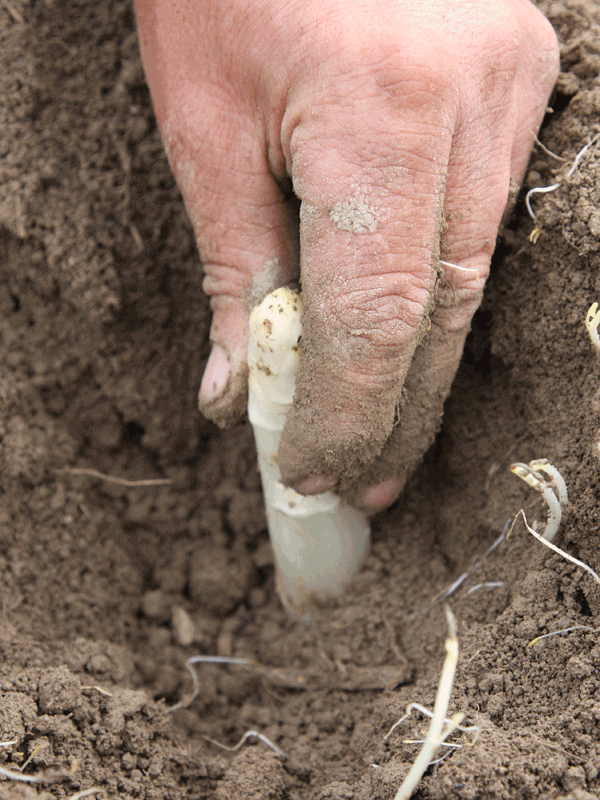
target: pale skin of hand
<point>399,125</point>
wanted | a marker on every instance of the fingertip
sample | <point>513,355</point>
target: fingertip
<point>223,391</point>
<point>217,374</point>
<point>380,496</point>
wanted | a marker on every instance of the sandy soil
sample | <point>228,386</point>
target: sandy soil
<point>106,590</point>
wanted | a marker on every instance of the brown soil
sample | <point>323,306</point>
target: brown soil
<point>106,590</point>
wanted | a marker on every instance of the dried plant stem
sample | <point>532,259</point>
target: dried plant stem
<point>548,152</point>
<point>435,734</point>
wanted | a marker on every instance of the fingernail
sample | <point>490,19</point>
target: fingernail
<point>317,484</point>
<point>216,374</point>
<point>381,495</point>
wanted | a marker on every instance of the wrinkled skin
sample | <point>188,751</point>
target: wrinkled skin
<point>399,126</point>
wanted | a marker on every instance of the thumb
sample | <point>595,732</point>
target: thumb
<point>246,234</point>
<point>216,144</point>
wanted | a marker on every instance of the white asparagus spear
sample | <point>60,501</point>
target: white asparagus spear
<point>318,541</point>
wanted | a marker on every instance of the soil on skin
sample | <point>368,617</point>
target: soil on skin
<point>106,590</point>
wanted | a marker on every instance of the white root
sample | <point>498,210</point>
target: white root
<point>556,479</point>
<point>531,474</point>
<point>486,585</point>
<point>555,186</point>
<point>17,776</point>
<point>547,543</point>
<point>537,639</point>
<point>190,666</point>
<point>245,737</point>
<point>318,542</point>
<point>469,270</point>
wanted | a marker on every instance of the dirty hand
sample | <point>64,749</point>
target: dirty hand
<point>400,125</point>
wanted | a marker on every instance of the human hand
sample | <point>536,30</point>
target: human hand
<point>401,125</point>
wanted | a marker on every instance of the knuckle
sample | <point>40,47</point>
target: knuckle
<point>386,68</point>
<point>547,50</point>
<point>457,301</point>
<point>414,78</point>
<point>379,318</point>
<point>510,36</point>
<point>224,280</point>
<point>543,33</point>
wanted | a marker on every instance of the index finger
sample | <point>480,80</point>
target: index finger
<point>370,221</point>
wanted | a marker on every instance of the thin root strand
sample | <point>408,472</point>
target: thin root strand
<point>246,736</point>
<point>555,186</point>
<point>556,549</point>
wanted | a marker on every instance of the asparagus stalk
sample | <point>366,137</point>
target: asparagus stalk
<point>318,541</point>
